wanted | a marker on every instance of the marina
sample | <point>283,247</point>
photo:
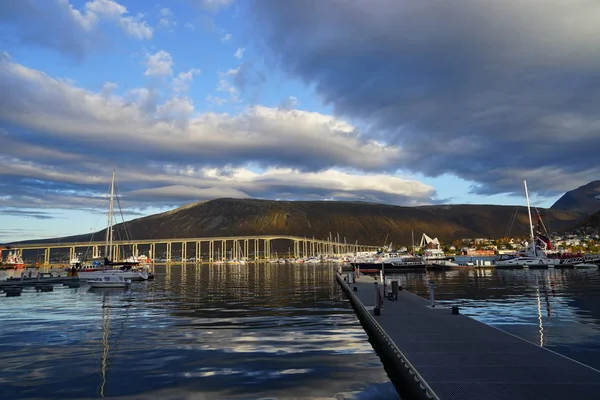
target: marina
<point>231,319</point>
<point>438,353</point>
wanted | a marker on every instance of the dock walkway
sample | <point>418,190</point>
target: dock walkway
<point>445,356</point>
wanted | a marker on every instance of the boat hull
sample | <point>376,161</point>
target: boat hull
<point>108,285</point>
<point>376,268</point>
<point>131,275</point>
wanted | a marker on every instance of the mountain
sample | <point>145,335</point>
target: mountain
<point>592,222</point>
<point>368,223</point>
<point>584,199</point>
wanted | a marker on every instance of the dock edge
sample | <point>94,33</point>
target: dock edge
<point>415,384</point>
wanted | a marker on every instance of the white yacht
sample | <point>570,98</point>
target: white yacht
<point>533,256</point>
<point>109,281</point>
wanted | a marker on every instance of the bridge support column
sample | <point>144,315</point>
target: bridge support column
<point>169,252</point>
<point>47,256</point>
<point>211,251</point>
<point>256,250</point>
<point>134,249</point>
<point>184,252</point>
<point>71,254</point>
<point>198,254</point>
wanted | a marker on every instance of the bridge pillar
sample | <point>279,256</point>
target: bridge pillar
<point>71,254</point>
<point>47,256</point>
<point>211,250</point>
<point>184,252</point>
<point>223,254</point>
<point>256,250</point>
<point>134,249</point>
<point>169,252</point>
<point>198,254</point>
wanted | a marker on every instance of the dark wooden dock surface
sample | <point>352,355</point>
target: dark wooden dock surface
<point>460,358</point>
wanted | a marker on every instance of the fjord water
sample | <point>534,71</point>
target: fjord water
<point>196,332</point>
<point>265,331</point>
<point>558,309</point>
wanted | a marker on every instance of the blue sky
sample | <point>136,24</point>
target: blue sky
<point>403,103</point>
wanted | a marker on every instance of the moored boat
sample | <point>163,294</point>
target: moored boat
<point>109,281</point>
<point>13,261</point>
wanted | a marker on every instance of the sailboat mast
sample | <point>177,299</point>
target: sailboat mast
<point>109,230</point>
<point>530,220</point>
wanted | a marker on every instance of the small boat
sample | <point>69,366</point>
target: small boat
<point>585,265</point>
<point>109,281</point>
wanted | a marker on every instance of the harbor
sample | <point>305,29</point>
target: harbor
<point>289,331</point>
<point>435,352</point>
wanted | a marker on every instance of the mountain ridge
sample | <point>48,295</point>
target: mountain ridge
<point>585,199</point>
<point>367,223</point>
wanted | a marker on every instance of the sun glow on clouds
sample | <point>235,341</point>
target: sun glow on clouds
<point>167,153</point>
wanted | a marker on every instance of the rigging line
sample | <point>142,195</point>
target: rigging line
<point>127,236</point>
<point>87,249</point>
<point>541,220</point>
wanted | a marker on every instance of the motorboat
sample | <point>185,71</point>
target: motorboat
<point>109,281</point>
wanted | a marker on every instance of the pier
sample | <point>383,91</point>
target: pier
<point>434,352</point>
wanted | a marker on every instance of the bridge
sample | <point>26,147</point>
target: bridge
<point>206,249</point>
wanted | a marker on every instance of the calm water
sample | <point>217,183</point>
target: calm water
<point>231,332</point>
<point>556,309</point>
<point>196,332</point>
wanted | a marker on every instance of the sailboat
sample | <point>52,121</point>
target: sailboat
<point>121,268</point>
<point>533,256</point>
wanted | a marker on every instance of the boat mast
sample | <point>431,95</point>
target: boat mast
<point>530,220</point>
<point>109,229</point>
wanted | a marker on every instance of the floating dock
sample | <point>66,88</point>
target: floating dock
<point>57,280</point>
<point>435,354</point>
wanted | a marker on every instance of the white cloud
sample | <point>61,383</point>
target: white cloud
<point>59,25</point>
<point>111,10</point>
<point>183,79</point>
<point>164,147</point>
<point>166,20</point>
<point>215,5</point>
<point>239,53</point>
<point>159,64</point>
<point>226,37</point>
<point>289,103</point>
<point>219,101</point>
<point>189,26</point>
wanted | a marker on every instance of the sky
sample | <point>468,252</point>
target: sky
<point>398,102</point>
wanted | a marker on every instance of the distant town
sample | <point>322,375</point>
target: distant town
<point>581,241</point>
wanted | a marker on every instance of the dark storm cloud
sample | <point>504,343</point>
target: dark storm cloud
<point>492,91</point>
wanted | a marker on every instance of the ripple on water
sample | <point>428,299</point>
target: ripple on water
<point>195,332</point>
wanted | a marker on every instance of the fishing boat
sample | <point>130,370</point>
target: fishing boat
<point>109,281</point>
<point>13,261</point>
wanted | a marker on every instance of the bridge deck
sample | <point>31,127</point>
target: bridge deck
<point>461,358</point>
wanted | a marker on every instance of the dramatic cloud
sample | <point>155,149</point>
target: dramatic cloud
<point>493,91</point>
<point>60,143</point>
<point>59,25</point>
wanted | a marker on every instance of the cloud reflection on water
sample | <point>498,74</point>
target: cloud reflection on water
<point>196,332</point>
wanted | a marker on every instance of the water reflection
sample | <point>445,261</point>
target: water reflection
<point>210,332</point>
<point>557,309</point>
